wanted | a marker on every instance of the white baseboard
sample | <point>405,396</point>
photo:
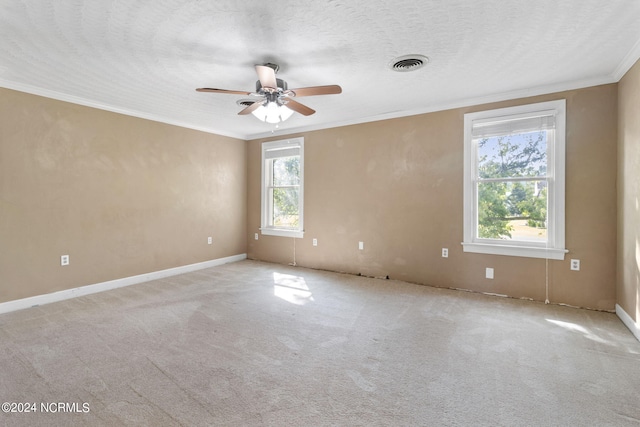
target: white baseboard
<point>634,327</point>
<point>20,304</point>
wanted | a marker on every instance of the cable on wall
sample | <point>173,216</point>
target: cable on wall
<point>546,280</point>
<point>546,273</point>
<point>294,252</point>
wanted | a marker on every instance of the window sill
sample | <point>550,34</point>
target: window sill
<point>282,232</point>
<point>521,251</point>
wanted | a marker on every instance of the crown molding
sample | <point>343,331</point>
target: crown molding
<point>627,62</point>
<point>461,103</point>
<point>630,59</point>
<point>59,96</point>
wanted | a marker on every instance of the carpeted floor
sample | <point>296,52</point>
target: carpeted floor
<point>255,344</point>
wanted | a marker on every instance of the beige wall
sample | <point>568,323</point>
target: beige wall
<point>122,196</point>
<point>629,193</point>
<point>397,186</point>
<point>125,196</point>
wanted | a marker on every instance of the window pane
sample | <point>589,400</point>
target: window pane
<point>285,207</point>
<point>517,155</point>
<point>513,210</point>
<point>286,171</point>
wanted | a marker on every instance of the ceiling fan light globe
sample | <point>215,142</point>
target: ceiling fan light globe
<point>272,113</point>
<point>260,113</point>
<point>285,112</point>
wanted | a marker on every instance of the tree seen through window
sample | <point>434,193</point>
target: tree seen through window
<point>512,186</point>
<point>285,191</point>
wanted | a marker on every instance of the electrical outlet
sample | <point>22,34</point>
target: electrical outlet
<point>315,242</point>
<point>575,264</point>
<point>255,236</point>
<point>209,240</point>
<point>445,253</point>
<point>64,260</point>
<point>489,273</point>
<point>361,245</point>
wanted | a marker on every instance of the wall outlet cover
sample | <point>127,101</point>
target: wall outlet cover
<point>489,273</point>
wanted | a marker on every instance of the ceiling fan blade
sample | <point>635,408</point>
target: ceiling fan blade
<point>297,107</point>
<point>233,92</point>
<point>317,90</point>
<point>250,108</point>
<point>267,76</point>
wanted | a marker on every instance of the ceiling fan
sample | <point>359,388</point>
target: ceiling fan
<point>275,103</point>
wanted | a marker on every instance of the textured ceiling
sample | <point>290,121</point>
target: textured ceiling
<point>146,57</point>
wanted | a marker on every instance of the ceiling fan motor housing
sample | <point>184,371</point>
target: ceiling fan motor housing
<point>281,85</point>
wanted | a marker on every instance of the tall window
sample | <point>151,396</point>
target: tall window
<point>514,181</point>
<point>282,187</point>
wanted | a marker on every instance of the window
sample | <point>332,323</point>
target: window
<point>514,181</point>
<point>282,187</point>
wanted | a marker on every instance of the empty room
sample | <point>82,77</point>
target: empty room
<point>330,213</point>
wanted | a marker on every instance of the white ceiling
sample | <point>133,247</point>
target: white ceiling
<point>146,57</point>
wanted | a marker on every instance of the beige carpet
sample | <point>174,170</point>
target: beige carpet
<point>256,344</point>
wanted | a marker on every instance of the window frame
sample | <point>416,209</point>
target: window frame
<point>286,146</point>
<point>553,248</point>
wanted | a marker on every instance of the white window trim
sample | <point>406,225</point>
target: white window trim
<point>264,211</point>
<point>554,249</point>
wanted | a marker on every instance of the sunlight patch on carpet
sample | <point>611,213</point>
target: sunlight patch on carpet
<point>580,329</point>
<point>291,288</point>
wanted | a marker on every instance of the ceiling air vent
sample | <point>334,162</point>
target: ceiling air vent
<point>246,102</point>
<point>408,63</point>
